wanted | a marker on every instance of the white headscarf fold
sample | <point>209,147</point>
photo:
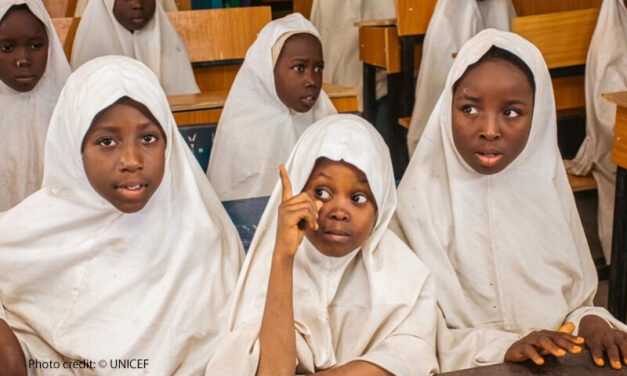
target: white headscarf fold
<point>25,118</point>
<point>374,304</point>
<point>507,251</point>
<point>452,24</point>
<point>168,6</point>
<point>257,131</point>
<point>157,45</point>
<point>81,280</point>
<point>606,72</point>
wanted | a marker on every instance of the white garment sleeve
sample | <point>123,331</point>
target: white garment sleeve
<point>460,348</point>
<point>410,348</point>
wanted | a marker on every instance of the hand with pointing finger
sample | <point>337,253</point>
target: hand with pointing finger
<point>296,213</point>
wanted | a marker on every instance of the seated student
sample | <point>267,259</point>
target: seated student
<point>606,72</point>
<point>139,29</point>
<point>125,252</point>
<point>275,96</point>
<point>453,22</point>
<point>33,70</point>
<point>326,286</point>
<point>486,205</point>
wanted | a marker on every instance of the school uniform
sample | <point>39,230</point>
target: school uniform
<point>374,304</point>
<point>606,72</point>
<point>453,22</point>
<point>340,39</point>
<point>157,45</point>
<point>507,250</point>
<point>257,131</point>
<point>26,115</point>
<point>81,280</point>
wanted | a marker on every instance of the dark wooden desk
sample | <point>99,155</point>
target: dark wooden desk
<point>617,302</point>
<point>570,365</point>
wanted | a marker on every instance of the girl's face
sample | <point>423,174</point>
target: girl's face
<point>124,155</point>
<point>298,72</point>
<point>134,14</point>
<point>23,49</point>
<point>491,115</point>
<point>348,211</point>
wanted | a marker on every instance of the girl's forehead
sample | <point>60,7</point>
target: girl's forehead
<point>19,17</point>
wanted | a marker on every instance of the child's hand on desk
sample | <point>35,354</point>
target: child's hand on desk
<point>600,337</point>
<point>12,361</point>
<point>545,342</point>
<point>295,214</point>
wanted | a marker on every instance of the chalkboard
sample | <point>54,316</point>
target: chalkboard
<point>199,138</point>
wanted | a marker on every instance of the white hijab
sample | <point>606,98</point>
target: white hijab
<point>81,280</point>
<point>168,6</point>
<point>257,131</point>
<point>452,24</point>
<point>25,118</point>
<point>606,72</point>
<point>375,304</point>
<point>157,45</point>
<point>340,39</point>
<point>507,251</point>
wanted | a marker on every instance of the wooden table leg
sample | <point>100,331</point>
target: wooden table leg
<point>370,93</point>
<point>618,268</point>
<point>397,136</point>
<point>407,70</point>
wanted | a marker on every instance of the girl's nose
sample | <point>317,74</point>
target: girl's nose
<point>490,128</point>
<point>131,159</point>
<point>309,78</point>
<point>338,213</point>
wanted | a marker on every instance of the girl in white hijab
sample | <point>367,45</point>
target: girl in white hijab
<point>275,96</point>
<point>452,24</point>
<point>29,87</point>
<point>139,29</point>
<point>105,262</point>
<point>362,303</point>
<point>606,72</point>
<point>486,204</point>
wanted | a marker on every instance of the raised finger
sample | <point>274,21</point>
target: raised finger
<point>286,193</point>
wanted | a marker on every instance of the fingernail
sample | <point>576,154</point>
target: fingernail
<point>577,349</point>
<point>580,340</point>
<point>599,362</point>
<point>540,361</point>
<point>616,364</point>
<point>560,352</point>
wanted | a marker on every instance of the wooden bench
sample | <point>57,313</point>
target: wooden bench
<point>617,300</point>
<point>66,30</point>
<point>60,8</point>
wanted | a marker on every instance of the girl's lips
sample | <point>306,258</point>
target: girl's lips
<point>309,100</point>
<point>488,159</point>
<point>336,235</point>
<point>132,190</point>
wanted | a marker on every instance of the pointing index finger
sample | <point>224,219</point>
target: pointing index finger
<point>285,182</point>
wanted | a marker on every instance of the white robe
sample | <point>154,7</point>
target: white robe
<point>340,39</point>
<point>374,304</point>
<point>507,251</point>
<point>157,45</point>
<point>24,121</point>
<point>452,24</point>
<point>606,72</point>
<point>81,280</point>
<point>257,131</point>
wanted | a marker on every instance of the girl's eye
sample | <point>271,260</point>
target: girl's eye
<point>6,47</point>
<point>322,193</point>
<point>149,138</point>
<point>299,68</point>
<point>360,198</point>
<point>511,113</point>
<point>36,45</point>
<point>470,110</point>
<point>319,68</point>
<point>106,142</point>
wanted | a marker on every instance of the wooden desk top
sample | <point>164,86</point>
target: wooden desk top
<point>570,365</point>
<point>620,98</point>
<point>215,99</point>
<point>619,144</point>
<point>387,22</point>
